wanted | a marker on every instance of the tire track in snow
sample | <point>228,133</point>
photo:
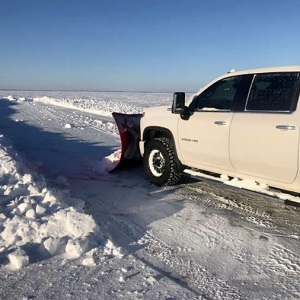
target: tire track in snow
<point>169,259</point>
<point>258,209</point>
<point>268,258</point>
<point>129,230</point>
<point>186,268</point>
<point>57,117</point>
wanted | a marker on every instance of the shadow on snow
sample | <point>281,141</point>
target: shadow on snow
<point>123,202</point>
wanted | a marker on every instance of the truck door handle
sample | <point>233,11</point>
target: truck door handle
<point>285,127</point>
<point>221,123</point>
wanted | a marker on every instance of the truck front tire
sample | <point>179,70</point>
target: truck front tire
<point>160,163</point>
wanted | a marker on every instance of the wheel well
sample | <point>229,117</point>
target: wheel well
<point>156,132</point>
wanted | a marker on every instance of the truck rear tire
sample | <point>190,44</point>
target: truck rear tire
<point>160,162</point>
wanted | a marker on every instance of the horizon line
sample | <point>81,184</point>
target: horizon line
<point>97,91</point>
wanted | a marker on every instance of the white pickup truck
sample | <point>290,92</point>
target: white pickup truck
<point>243,124</point>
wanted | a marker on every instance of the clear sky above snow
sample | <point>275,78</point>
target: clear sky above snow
<point>141,45</point>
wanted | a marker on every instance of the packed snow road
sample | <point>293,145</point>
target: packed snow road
<point>196,240</point>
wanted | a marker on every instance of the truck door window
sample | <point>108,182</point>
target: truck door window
<point>273,92</point>
<point>219,96</point>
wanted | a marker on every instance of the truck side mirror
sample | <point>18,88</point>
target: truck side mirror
<point>178,103</point>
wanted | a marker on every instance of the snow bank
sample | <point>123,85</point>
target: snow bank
<point>36,221</point>
<point>101,103</point>
<point>99,107</point>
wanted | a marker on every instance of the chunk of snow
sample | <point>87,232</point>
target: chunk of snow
<point>30,214</point>
<point>23,99</point>
<point>68,126</point>
<point>109,245</point>
<point>108,163</point>
<point>40,209</point>
<point>79,224</point>
<point>76,247</point>
<point>51,244</point>
<point>111,249</point>
<point>118,252</point>
<point>89,261</point>
<point>10,98</point>
<point>27,178</point>
<point>24,207</point>
<point>50,197</point>
<point>151,280</point>
<point>18,258</point>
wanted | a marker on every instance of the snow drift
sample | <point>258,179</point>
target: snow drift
<point>37,221</point>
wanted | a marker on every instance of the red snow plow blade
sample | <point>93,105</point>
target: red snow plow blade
<point>129,130</point>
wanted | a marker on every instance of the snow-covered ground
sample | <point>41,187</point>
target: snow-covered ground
<point>70,230</point>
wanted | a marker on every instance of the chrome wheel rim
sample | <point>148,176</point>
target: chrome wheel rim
<point>157,163</point>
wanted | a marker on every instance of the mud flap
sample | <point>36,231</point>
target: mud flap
<point>129,130</point>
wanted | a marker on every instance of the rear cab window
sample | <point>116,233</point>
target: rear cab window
<point>274,92</point>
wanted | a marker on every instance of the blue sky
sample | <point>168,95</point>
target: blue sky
<point>141,45</point>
